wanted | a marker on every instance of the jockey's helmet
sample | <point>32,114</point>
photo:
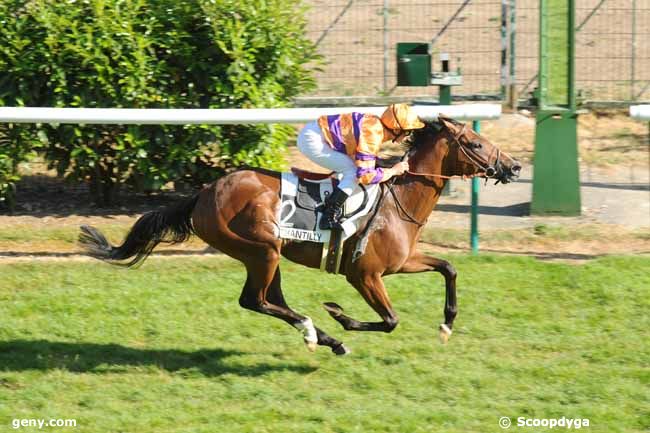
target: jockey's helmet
<point>401,117</point>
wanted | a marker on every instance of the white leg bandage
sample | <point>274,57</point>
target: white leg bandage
<point>306,327</point>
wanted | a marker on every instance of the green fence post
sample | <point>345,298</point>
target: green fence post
<point>512,94</point>
<point>473,236</point>
<point>556,177</point>
<point>444,98</point>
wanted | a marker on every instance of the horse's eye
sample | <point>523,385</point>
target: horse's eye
<point>476,145</point>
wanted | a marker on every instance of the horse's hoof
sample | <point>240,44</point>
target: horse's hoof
<point>341,350</point>
<point>444,334</point>
<point>333,308</point>
<point>311,346</point>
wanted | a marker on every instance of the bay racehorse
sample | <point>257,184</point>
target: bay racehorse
<point>238,215</point>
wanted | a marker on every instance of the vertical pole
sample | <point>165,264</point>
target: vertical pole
<point>385,30</point>
<point>504,48</point>
<point>445,95</point>
<point>556,179</point>
<point>571,68</point>
<point>444,98</point>
<point>473,236</point>
<point>543,55</point>
<point>513,80</point>
<point>445,91</point>
<point>633,57</point>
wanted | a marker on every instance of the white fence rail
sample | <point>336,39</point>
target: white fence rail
<point>170,116</point>
<point>640,112</point>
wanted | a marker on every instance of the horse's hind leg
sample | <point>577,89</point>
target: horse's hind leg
<point>260,278</point>
<point>237,215</point>
<point>275,297</point>
<point>372,289</point>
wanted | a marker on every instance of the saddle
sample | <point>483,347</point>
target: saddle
<point>310,175</point>
<point>301,198</point>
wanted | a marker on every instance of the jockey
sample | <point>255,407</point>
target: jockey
<point>348,144</point>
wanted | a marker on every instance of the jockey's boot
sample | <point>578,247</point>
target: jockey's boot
<point>332,210</point>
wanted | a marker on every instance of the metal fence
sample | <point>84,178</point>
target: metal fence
<point>612,49</point>
<point>358,38</point>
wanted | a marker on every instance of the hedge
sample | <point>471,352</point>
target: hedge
<point>150,54</point>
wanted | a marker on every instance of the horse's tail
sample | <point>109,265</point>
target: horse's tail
<point>171,225</point>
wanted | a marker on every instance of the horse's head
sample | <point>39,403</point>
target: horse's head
<point>454,149</point>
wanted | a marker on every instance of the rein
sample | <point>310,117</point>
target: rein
<point>442,176</point>
<point>410,219</point>
<point>484,174</point>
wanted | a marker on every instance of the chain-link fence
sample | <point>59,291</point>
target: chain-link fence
<point>358,39</point>
<point>612,49</point>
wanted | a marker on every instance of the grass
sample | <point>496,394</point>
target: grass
<point>63,234</point>
<point>548,235</point>
<point>166,348</point>
<point>64,238</point>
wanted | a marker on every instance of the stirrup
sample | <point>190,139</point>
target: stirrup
<point>331,221</point>
<point>333,210</point>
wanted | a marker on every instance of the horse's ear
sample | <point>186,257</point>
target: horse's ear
<point>448,123</point>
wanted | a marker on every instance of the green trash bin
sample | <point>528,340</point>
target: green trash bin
<point>413,64</point>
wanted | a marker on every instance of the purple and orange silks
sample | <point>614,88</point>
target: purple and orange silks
<point>359,136</point>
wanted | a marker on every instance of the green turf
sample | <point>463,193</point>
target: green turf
<point>68,235</point>
<point>62,234</point>
<point>538,232</point>
<point>166,348</point>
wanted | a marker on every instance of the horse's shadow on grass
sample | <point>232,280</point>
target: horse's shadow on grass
<point>20,355</point>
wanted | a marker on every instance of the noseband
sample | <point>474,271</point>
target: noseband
<point>486,171</point>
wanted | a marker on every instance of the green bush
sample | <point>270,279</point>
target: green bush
<point>15,147</point>
<point>154,54</point>
<point>8,177</point>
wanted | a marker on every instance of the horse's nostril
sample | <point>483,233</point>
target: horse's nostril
<point>516,169</point>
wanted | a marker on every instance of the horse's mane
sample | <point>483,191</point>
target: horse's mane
<point>419,136</point>
<point>431,128</point>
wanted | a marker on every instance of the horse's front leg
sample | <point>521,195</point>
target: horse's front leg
<point>422,263</point>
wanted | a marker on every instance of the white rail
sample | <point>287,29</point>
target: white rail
<point>640,112</point>
<point>170,116</point>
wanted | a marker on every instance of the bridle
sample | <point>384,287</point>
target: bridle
<point>486,171</point>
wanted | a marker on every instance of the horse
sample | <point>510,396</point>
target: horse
<point>238,215</point>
